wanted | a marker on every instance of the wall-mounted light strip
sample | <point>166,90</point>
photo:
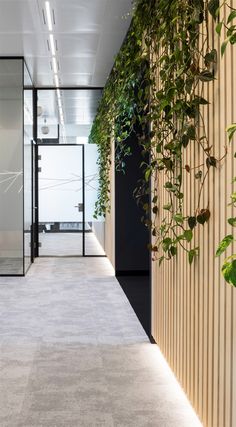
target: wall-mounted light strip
<point>48,15</point>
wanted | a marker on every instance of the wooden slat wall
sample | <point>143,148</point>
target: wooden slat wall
<point>193,309</point>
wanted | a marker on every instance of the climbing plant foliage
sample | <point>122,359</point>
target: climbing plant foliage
<point>229,24</point>
<point>157,83</point>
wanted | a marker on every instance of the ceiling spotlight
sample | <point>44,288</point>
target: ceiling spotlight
<point>45,128</point>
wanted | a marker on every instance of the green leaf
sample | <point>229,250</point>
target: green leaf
<point>211,57</point>
<point>166,243</point>
<point>185,140</point>
<point>203,216</point>
<point>155,210</point>
<point>147,174</point>
<point>199,100</point>
<point>160,260</point>
<point>168,185</point>
<point>192,222</point>
<point>173,250</point>
<point>191,132</point>
<point>213,7</point>
<point>167,207</point>
<point>229,271</point>
<point>232,38</point>
<point>188,235</point>
<point>154,200</point>
<point>211,161</point>
<point>231,16</point>
<point>178,218</point>
<point>206,76</point>
<point>232,221</point>
<point>231,130</point>
<point>233,198</point>
<point>227,240</point>
<point>192,254</point>
<point>219,27</point>
<point>223,46</point>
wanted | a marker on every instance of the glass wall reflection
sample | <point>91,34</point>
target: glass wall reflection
<point>11,167</point>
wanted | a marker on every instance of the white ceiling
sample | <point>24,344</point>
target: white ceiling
<point>88,35</point>
<point>79,108</point>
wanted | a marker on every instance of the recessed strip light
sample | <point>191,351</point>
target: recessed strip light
<point>54,65</point>
<point>48,14</point>
<point>58,94</point>
<point>52,44</point>
<point>56,80</point>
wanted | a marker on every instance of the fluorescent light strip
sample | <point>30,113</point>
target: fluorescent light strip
<point>52,44</point>
<point>48,14</point>
<point>56,80</point>
<point>58,94</point>
<point>59,104</point>
<point>54,65</point>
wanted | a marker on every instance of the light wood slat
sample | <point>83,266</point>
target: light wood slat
<point>196,308</point>
<point>193,309</point>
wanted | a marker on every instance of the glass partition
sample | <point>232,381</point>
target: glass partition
<point>28,164</point>
<point>16,123</point>
<point>65,118</point>
<point>95,235</point>
<point>60,200</point>
<point>11,167</point>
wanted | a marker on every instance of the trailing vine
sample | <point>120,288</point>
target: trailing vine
<point>229,265</point>
<point>173,38</point>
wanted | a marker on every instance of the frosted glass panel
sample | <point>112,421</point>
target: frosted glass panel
<point>28,137</point>
<point>60,200</point>
<point>11,167</point>
<point>94,237</point>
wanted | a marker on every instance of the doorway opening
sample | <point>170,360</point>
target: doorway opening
<point>66,175</point>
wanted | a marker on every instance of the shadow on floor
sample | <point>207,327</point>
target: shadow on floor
<point>137,290</point>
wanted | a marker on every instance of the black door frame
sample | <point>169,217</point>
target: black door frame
<point>35,207</point>
<point>39,144</point>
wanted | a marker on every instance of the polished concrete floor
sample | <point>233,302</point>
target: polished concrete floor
<point>69,244</point>
<point>74,354</point>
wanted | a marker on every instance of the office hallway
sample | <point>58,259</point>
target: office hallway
<point>74,354</point>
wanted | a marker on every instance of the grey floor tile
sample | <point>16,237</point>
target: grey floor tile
<point>73,353</point>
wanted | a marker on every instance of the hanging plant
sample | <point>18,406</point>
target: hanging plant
<point>166,36</point>
<point>229,265</point>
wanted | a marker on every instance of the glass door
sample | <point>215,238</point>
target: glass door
<point>61,209</point>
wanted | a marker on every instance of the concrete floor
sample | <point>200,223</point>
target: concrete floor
<point>69,244</point>
<point>74,354</point>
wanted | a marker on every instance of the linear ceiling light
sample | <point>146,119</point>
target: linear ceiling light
<point>52,44</point>
<point>54,65</point>
<point>59,103</point>
<point>48,14</point>
<point>56,80</point>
